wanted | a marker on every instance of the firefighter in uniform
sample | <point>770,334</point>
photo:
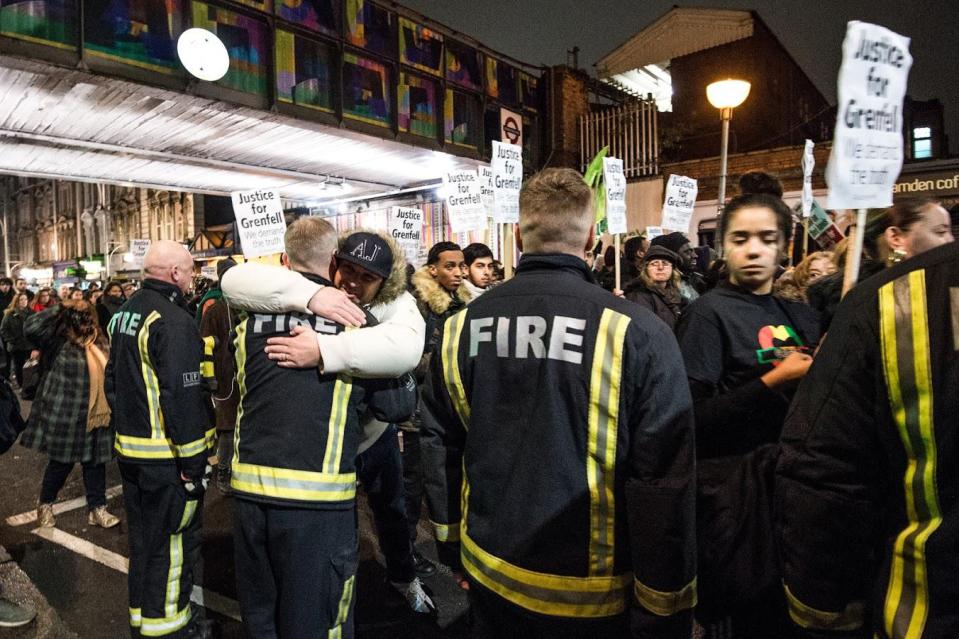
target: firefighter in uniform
<point>294,464</point>
<point>867,490</point>
<point>559,444</point>
<point>163,437</point>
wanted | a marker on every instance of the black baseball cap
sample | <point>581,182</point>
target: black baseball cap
<point>369,251</point>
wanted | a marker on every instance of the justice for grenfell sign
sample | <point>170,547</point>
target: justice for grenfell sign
<point>680,200</point>
<point>867,148</point>
<point>507,165</point>
<point>464,205</point>
<point>259,221</point>
<point>615,181</point>
<point>406,227</point>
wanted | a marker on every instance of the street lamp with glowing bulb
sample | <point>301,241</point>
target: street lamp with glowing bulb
<point>726,95</point>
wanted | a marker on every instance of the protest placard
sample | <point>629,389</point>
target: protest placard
<point>486,188</point>
<point>138,249</point>
<point>259,221</point>
<point>464,204</point>
<point>866,155</point>
<point>654,232</point>
<point>405,225</point>
<point>679,202</point>
<point>808,163</point>
<point>507,165</point>
<point>615,181</point>
<point>821,228</point>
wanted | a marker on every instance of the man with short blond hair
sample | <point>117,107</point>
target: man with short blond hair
<point>555,220</point>
<point>558,442</point>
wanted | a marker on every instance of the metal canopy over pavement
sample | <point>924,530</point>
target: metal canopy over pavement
<point>679,32</point>
<point>63,123</point>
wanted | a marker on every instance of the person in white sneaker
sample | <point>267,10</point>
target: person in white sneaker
<point>70,416</point>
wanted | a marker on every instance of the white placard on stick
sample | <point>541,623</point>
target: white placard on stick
<point>866,155</point>
<point>615,181</point>
<point>486,188</point>
<point>405,225</point>
<point>679,202</point>
<point>653,232</point>
<point>138,249</point>
<point>808,163</point>
<point>464,203</point>
<point>507,165</point>
<point>259,221</point>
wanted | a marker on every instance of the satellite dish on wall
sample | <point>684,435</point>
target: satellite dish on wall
<point>203,54</point>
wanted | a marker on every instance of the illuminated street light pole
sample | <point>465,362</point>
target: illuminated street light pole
<point>726,95</point>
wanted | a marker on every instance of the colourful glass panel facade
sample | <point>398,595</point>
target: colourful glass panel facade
<point>366,93</point>
<point>304,72</point>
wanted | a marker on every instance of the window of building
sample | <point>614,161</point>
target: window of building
<point>921,143</point>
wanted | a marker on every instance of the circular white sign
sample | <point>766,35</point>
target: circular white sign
<point>203,54</point>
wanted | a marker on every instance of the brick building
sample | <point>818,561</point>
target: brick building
<point>680,54</point>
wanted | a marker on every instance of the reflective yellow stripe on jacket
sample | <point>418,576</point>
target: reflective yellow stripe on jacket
<point>904,330</point>
<point>150,448</point>
<point>603,426</point>
<point>451,370</point>
<point>337,425</point>
<point>300,485</point>
<point>543,593</point>
<point>150,381</point>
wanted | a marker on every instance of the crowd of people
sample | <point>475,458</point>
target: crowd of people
<point>725,447</point>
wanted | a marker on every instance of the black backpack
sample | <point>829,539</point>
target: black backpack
<point>11,421</point>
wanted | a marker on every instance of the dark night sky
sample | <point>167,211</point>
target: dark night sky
<point>540,32</point>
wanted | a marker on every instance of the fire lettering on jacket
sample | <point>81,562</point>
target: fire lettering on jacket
<point>285,322</point>
<point>532,336</point>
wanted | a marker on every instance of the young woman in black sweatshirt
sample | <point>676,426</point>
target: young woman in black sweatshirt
<point>745,352</point>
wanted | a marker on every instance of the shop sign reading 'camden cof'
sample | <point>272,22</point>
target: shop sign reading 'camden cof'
<point>946,182</point>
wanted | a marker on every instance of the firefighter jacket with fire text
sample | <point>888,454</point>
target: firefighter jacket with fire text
<point>153,382</point>
<point>559,450</point>
<point>298,429</point>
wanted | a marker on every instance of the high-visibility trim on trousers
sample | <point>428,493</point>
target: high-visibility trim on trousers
<point>285,483</point>
<point>904,331</point>
<point>556,595</point>
<point>602,427</point>
<point>446,532</point>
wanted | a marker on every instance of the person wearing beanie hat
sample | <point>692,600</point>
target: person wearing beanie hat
<point>657,286</point>
<point>692,284</point>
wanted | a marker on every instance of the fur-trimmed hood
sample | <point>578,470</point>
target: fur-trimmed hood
<point>434,296</point>
<point>395,284</point>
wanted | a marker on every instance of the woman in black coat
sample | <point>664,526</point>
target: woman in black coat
<point>657,287</point>
<point>109,303</point>
<point>17,345</point>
